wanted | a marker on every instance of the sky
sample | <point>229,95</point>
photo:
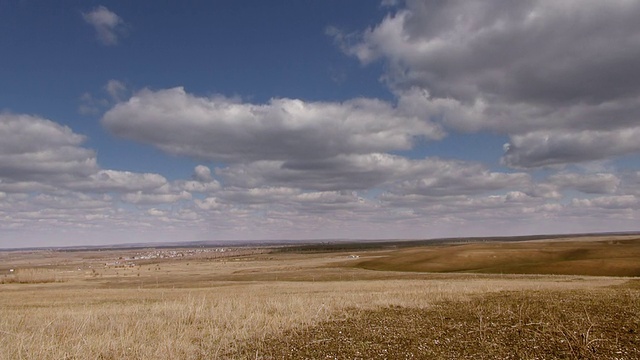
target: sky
<point>151,120</point>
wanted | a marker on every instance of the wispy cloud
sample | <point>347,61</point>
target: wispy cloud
<point>108,25</point>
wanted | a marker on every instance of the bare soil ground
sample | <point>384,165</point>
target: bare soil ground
<point>601,324</point>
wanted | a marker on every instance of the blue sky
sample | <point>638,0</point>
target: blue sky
<point>161,121</point>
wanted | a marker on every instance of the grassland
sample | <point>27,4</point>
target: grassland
<point>599,256</point>
<point>371,303</point>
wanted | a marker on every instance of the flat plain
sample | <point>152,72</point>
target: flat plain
<point>556,298</point>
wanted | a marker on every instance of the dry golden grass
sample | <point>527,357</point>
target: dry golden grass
<point>30,276</point>
<point>615,256</point>
<point>206,308</point>
<point>49,322</point>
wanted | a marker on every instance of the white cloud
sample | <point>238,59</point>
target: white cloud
<point>210,203</point>
<point>203,182</point>
<point>37,149</point>
<point>547,148</point>
<point>71,200</point>
<point>39,155</point>
<point>107,24</point>
<point>436,177</point>
<point>197,186</point>
<point>545,74</point>
<point>157,212</point>
<point>116,89</point>
<point>284,129</point>
<point>202,173</point>
<point>142,198</point>
<point>118,181</point>
<point>358,172</point>
<point>263,195</point>
<point>535,70</point>
<point>587,183</point>
<point>344,172</point>
<point>610,202</point>
<point>461,49</point>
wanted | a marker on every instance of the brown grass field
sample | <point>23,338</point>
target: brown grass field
<point>566,298</point>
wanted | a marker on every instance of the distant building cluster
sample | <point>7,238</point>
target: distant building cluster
<point>170,254</point>
<point>163,254</point>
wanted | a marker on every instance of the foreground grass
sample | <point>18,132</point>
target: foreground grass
<point>59,321</point>
<point>577,324</point>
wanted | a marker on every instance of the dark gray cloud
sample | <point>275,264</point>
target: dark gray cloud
<point>352,172</point>
<point>548,148</point>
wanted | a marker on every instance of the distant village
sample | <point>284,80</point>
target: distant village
<point>153,254</point>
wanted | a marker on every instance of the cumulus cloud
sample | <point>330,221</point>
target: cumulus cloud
<point>118,181</point>
<point>210,203</point>
<point>108,25</point>
<point>202,182</point>
<point>223,129</point>
<point>587,183</point>
<point>38,149</point>
<point>142,198</point>
<point>197,186</point>
<point>461,49</point>
<point>359,172</point>
<point>547,148</point>
<point>47,175</point>
<point>609,202</point>
<point>535,70</point>
<point>264,195</point>
<point>68,200</point>
<point>40,155</point>
<point>557,78</point>
<point>344,172</point>
<point>436,177</point>
<point>202,173</point>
